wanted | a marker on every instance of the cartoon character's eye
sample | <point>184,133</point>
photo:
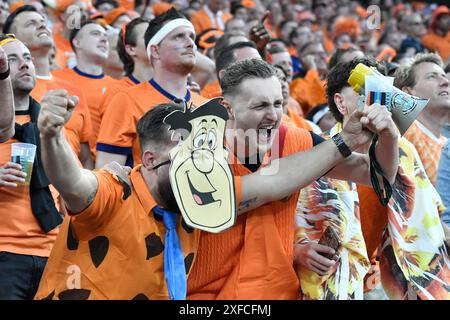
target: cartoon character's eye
<point>199,140</point>
<point>212,139</point>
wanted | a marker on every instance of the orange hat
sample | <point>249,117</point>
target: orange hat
<point>436,13</point>
<point>114,14</point>
<point>347,25</point>
<point>16,5</point>
<point>160,8</point>
<point>207,39</point>
<point>248,3</point>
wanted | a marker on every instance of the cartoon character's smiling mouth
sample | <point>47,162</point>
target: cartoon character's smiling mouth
<point>201,198</point>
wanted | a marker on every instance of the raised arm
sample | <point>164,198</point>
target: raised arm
<point>77,186</point>
<point>289,174</point>
<point>7,101</point>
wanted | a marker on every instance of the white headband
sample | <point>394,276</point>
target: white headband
<point>164,31</point>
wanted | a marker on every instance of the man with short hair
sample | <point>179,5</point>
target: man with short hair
<point>91,46</point>
<point>132,53</point>
<point>172,55</point>
<point>426,79</point>
<point>234,52</point>
<point>257,254</point>
<point>415,29</point>
<point>70,13</point>
<point>30,27</point>
<point>414,199</point>
<point>309,90</point>
<point>29,211</point>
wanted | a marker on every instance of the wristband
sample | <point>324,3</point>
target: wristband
<point>5,74</point>
<point>340,144</point>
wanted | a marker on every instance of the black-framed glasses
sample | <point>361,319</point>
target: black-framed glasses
<point>161,164</point>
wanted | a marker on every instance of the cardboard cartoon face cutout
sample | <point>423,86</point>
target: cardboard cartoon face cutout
<point>200,175</point>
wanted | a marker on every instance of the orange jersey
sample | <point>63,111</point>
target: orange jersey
<point>309,91</point>
<point>116,86</point>
<point>428,146</point>
<point>212,90</point>
<point>256,254</point>
<point>441,45</point>
<point>65,57</point>
<point>117,244</point>
<point>295,107</point>
<point>127,4</point>
<point>19,230</point>
<point>79,127</point>
<point>293,119</point>
<point>203,20</point>
<point>93,88</point>
<point>118,133</point>
<point>374,219</point>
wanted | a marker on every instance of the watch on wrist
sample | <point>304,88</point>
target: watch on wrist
<point>4,75</point>
<point>340,144</point>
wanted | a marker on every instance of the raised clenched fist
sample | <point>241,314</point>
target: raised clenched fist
<point>56,109</point>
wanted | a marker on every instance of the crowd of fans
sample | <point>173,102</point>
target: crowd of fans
<point>89,83</point>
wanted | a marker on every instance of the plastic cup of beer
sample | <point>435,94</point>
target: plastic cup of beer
<point>23,154</point>
<point>378,89</point>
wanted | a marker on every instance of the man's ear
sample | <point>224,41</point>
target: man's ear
<point>148,159</point>
<point>408,90</point>
<point>76,43</point>
<point>339,102</point>
<point>227,105</point>
<point>155,52</point>
<point>221,73</point>
<point>131,50</point>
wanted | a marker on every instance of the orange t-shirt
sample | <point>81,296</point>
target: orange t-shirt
<point>127,4</point>
<point>374,220</point>
<point>93,87</point>
<point>212,90</point>
<point>19,230</point>
<point>65,57</point>
<point>202,21</point>
<point>118,133</point>
<point>309,91</point>
<point>428,146</point>
<point>117,246</point>
<point>79,127</point>
<point>293,119</point>
<point>113,88</point>
<point>256,254</point>
<point>295,107</point>
<point>441,45</point>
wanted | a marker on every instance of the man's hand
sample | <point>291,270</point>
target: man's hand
<point>3,61</point>
<point>354,132</point>
<point>10,174</point>
<point>381,123</point>
<point>56,109</point>
<point>308,255</point>
<point>260,35</point>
